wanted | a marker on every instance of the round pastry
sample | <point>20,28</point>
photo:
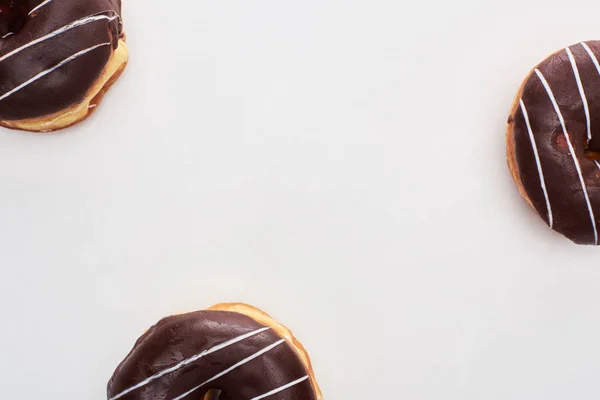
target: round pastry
<point>228,352</point>
<point>57,59</point>
<point>553,141</point>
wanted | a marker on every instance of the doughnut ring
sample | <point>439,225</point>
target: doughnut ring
<point>553,141</point>
<point>57,59</point>
<point>228,352</point>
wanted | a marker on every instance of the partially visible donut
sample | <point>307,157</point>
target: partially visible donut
<point>228,352</point>
<point>553,141</point>
<point>57,58</point>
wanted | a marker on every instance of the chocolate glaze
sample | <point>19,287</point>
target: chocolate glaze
<point>69,84</point>
<point>181,337</point>
<point>569,208</point>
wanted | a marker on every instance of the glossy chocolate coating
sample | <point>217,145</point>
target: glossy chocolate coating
<point>569,208</point>
<point>178,338</point>
<point>69,84</point>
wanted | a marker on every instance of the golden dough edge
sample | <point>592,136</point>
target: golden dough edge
<point>265,319</point>
<point>78,112</point>
<point>511,157</point>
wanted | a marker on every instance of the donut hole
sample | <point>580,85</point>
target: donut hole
<point>13,15</point>
<point>592,155</point>
<point>212,394</point>
<point>592,149</point>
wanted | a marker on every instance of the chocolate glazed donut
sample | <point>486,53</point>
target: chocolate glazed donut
<point>57,57</point>
<point>229,352</point>
<point>553,141</point>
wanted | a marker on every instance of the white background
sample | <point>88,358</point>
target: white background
<point>339,164</point>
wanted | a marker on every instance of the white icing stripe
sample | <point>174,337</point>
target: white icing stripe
<point>190,360</point>
<point>595,61</point>
<point>571,151</point>
<point>7,35</point>
<point>220,374</point>
<point>280,389</point>
<point>581,92</point>
<point>592,56</point>
<point>75,24</point>
<point>538,163</point>
<point>48,71</point>
<point>42,4</point>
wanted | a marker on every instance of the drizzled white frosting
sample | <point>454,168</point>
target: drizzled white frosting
<point>538,163</point>
<point>239,364</point>
<point>189,361</point>
<point>571,151</point>
<point>281,388</point>
<point>586,107</point>
<point>108,16</point>
<point>592,56</point>
<point>50,70</point>
<point>63,29</point>
<point>211,350</point>
<point>42,4</point>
